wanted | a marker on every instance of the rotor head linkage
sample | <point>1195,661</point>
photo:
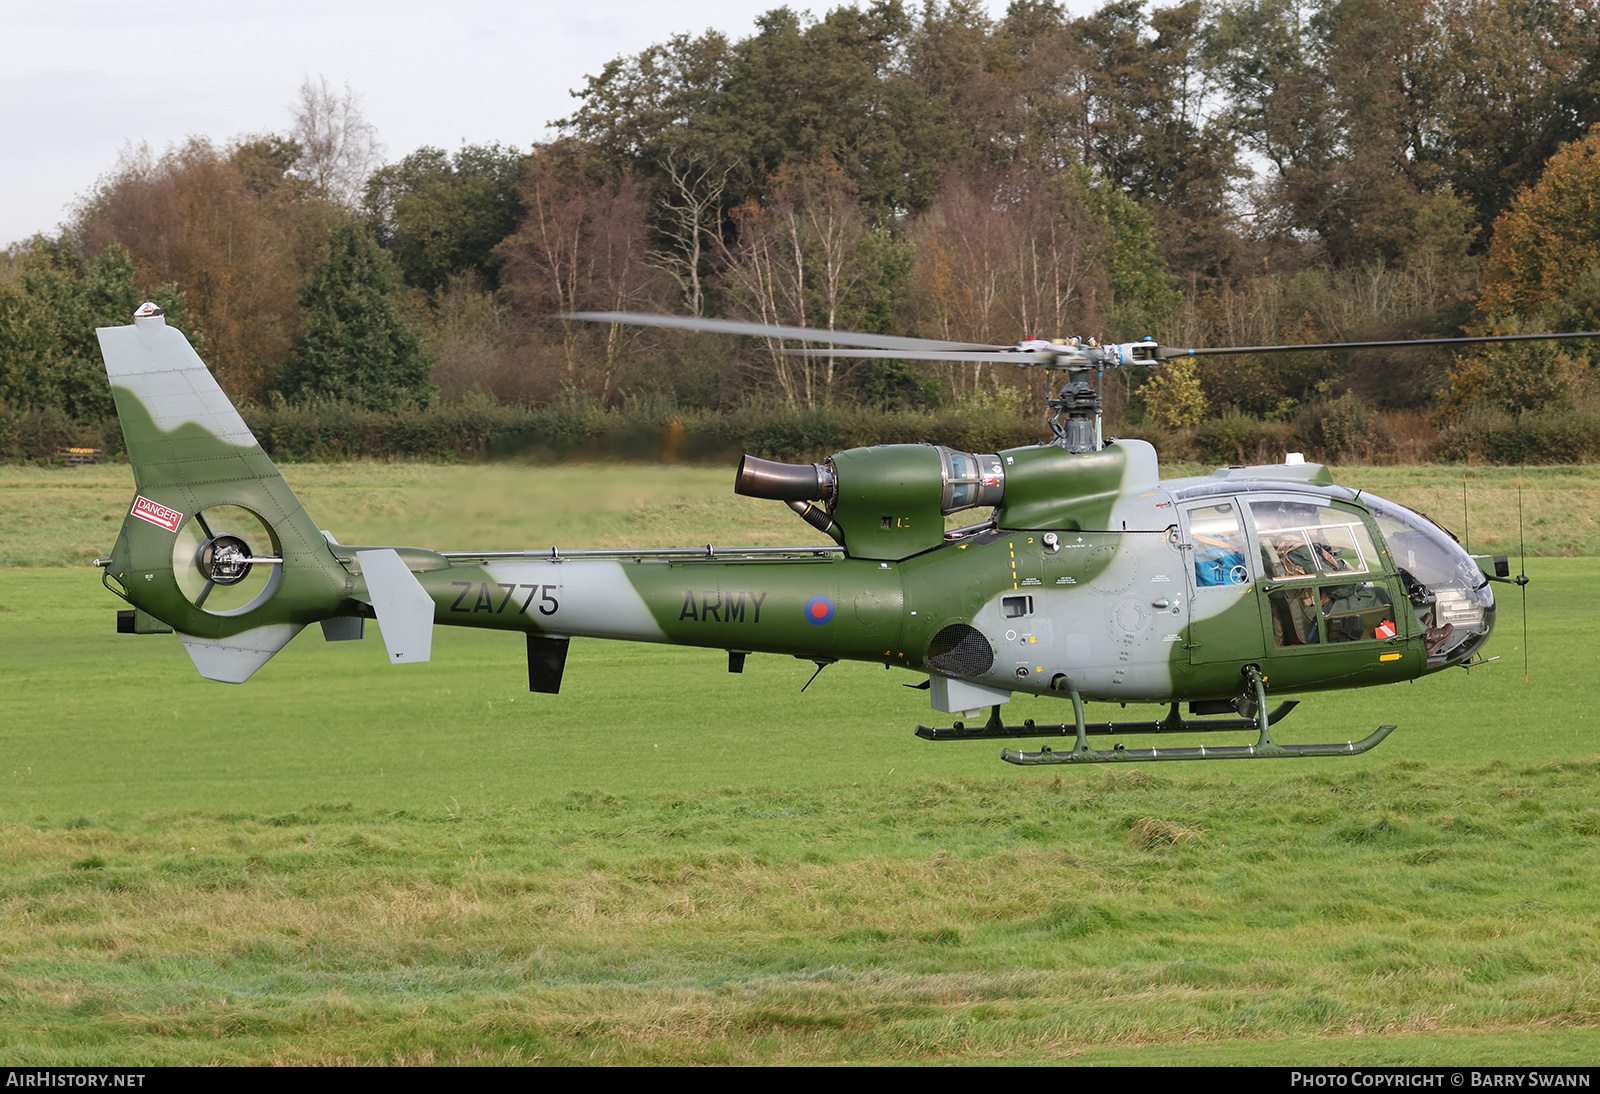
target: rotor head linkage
<point>1073,423</point>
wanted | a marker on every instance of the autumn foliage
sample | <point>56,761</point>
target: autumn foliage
<point>1548,239</point>
<point>1251,172</point>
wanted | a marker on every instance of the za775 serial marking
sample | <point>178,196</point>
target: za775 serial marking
<point>485,599</point>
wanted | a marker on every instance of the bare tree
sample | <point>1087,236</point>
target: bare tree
<point>582,247</point>
<point>339,146</point>
<point>797,263</point>
<point>693,204</point>
<point>1011,254</point>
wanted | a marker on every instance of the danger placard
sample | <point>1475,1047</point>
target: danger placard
<point>157,514</point>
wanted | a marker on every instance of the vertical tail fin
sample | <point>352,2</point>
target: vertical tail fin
<point>216,544</point>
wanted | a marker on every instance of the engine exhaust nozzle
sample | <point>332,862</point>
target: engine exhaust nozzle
<point>758,478</point>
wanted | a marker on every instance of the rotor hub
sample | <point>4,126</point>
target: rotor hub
<point>225,560</point>
<point>1073,423</point>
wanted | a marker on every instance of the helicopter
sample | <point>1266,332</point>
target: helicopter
<point>1091,578</point>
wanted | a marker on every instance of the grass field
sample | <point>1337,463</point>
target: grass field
<point>67,516</point>
<point>343,861</point>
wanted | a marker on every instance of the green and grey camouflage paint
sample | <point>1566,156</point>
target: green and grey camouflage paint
<point>1084,579</point>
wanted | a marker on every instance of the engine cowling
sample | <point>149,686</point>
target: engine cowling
<point>889,501</point>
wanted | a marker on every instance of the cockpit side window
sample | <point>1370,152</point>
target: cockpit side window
<point>1303,539</point>
<point>1219,545</point>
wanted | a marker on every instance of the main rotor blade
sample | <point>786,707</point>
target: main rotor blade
<point>1002,357</point>
<point>1169,352</point>
<point>763,330</point>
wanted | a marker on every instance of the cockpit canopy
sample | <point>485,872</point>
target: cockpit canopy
<point>1325,572</point>
<point>1421,548</point>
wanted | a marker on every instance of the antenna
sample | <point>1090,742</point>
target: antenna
<point>1522,580</point>
<point>1466,529</point>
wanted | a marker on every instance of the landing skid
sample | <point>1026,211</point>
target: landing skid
<point>993,729</point>
<point>1261,751</point>
<point>1264,748</point>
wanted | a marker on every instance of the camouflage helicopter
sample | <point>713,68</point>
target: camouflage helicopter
<point>1090,579</point>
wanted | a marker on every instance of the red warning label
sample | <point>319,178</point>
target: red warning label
<point>157,514</point>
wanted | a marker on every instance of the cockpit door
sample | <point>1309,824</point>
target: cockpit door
<point>1224,619</point>
<point>1325,584</point>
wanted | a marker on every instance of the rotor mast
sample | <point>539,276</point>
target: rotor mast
<point>1075,423</point>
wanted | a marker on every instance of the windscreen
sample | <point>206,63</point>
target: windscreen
<point>1425,551</point>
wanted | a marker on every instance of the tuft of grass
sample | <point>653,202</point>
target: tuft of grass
<point>1149,833</point>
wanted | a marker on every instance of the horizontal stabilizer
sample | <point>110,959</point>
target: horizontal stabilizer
<point>234,660</point>
<point>405,610</point>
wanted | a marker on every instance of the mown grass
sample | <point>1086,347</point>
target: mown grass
<point>1560,505</point>
<point>347,862</point>
<point>67,516</point>
<point>1328,915</point>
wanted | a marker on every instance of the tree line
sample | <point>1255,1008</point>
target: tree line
<point>1240,173</point>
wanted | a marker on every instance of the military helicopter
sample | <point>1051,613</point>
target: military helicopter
<point>1090,578</point>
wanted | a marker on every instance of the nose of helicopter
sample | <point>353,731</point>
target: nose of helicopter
<point>1462,622</point>
<point>1451,596</point>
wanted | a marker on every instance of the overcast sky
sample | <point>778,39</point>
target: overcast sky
<point>82,81</point>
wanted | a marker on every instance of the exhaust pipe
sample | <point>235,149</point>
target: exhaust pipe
<point>818,518</point>
<point>758,478</point>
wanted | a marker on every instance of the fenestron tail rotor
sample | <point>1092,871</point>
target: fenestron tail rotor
<point>225,559</point>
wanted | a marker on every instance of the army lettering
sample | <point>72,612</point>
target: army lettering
<point>484,600</point>
<point>713,606</point>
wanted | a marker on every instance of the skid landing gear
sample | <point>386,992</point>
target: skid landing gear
<point>1172,723</point>
<point>1264,747</point>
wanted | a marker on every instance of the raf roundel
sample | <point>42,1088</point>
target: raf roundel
<point>819,610</point>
